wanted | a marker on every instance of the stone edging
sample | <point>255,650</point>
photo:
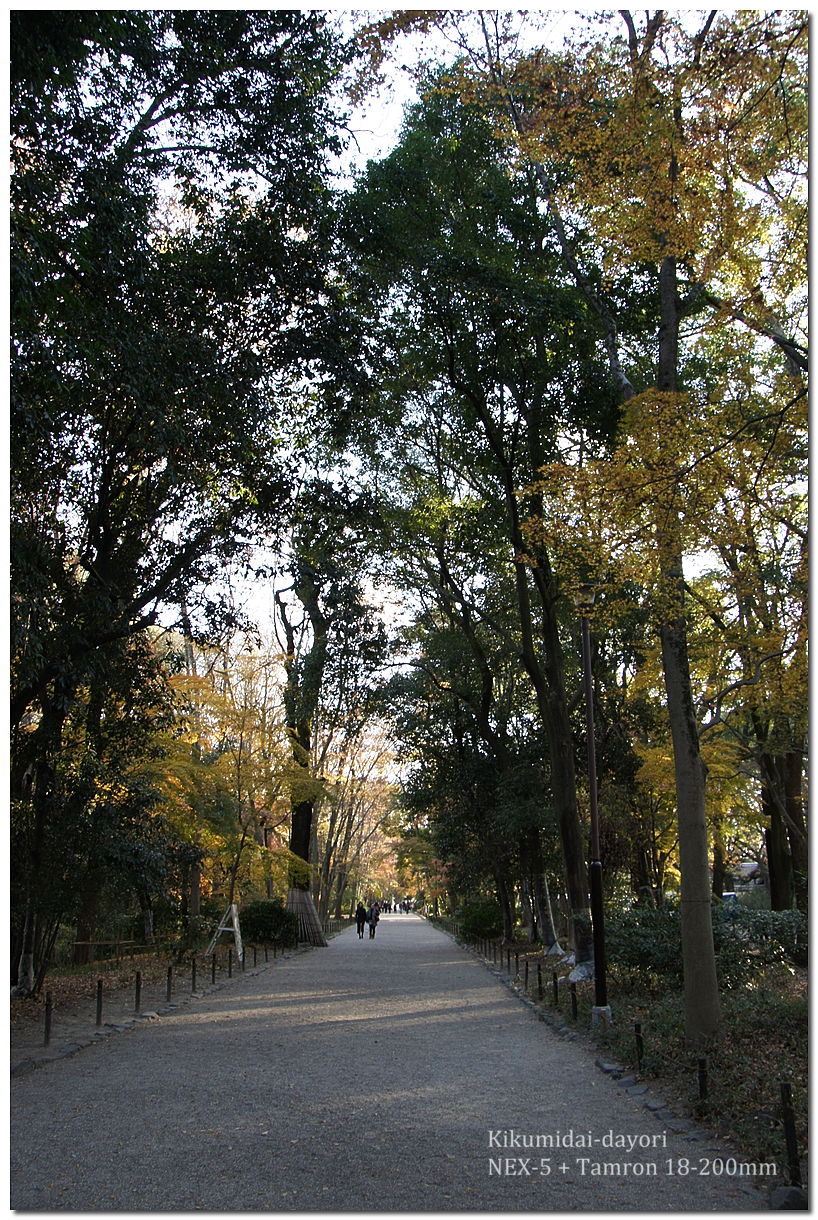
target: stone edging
<point>782,1197</point>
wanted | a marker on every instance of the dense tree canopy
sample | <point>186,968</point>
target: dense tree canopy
<point>167,277</point>
<point>555,338</point>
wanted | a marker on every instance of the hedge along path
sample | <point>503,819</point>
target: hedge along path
<point>393,1074</point>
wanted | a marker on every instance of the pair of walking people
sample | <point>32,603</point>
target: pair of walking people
<point>364,918</point>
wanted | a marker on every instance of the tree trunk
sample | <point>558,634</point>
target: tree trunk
<point>719,862</point>
<point>86,922</point>
<point>39,786</point>
<point>300,838</point>
<point>25,967</point>
<point>195,890</point>
<point>779,857</point>
<point>506,906</point>
<point>701,991</point>
<point>529,917</point>
<point>146,907</point>
<point>340,890</point>
<point>545,914</point>
<point>796,828</point>
<point>552,705</point>
<point>542,658</point>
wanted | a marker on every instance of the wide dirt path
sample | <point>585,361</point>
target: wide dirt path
<point>379,1075</point>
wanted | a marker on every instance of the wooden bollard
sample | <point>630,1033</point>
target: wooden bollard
<point>49,1009</point>
<point>508,961</point>
<point>169,992</point>
<point>137,1007</point>
<point>574,1001</point>
<point>702,1065</point>
<point>255,956</point>
<point>265,954</point>
<point>555,985</point>
<point>193,976</point>
<point>243,958</point>
<point>640,1043</point>
<point>788,1116</point>
<point>99,1002</point>
<point>540,991</point>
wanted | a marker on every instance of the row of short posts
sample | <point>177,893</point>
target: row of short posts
<point>169,988</point>
<point>489,950</point>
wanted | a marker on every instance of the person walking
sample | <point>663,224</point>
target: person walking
<point>372,919</point>
<point>360,919</point>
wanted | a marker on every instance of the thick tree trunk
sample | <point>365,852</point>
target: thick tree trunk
<point>300,837</point>
<point>701,991</point>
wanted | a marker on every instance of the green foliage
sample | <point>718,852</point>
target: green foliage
<point>267,922</point>
<point>647,943</point>
<point>747,940</point>
<point>168,268</point>
<point>765,1039</point>
<point>483,918</point>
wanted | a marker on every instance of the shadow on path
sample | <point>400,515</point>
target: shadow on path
<point>392,1075</point>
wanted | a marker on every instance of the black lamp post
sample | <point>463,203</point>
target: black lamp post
<point>601,1010</point>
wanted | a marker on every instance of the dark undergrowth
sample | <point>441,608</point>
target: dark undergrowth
<point>764,1041</point>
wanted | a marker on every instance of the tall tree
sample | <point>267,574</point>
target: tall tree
<point>166,269</point>
<point>332,643</point>
<point>473,320</point>
<point>658,144</point>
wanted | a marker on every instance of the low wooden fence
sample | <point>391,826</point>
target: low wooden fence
<point>540,982</point>
<point>178,979</point>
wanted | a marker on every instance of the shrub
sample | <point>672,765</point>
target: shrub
<point>482,918</point>
<point>747,940</point>
<point>648,943</point>
<point>267,922</point>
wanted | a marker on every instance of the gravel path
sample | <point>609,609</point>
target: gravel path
<point>394,1075</point>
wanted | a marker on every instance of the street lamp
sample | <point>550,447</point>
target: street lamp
<point>601,1010</point>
